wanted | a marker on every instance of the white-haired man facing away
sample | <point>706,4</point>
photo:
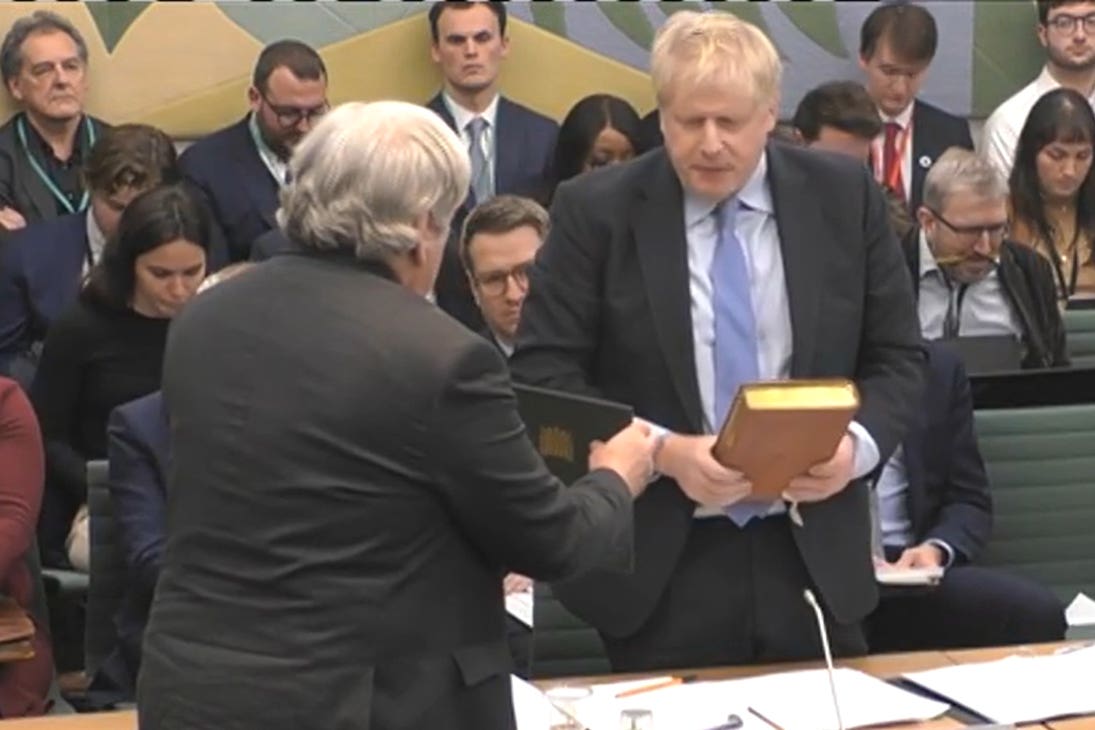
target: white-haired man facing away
<point>350,478</point>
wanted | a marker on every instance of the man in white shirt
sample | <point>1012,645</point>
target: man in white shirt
<point>510,146</point>
<point>1066,29</point>
<point>897,43</point>
<point>969,279</point>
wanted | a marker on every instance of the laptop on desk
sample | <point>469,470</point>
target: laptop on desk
<point>987,353</point>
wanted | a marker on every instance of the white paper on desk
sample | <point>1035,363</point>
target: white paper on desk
<point>531,707</point>
<point>890,576</point>
<point>690,706</point>
<point>1081,612</point>
<point>519,605</point>
<point>804,701</point>
<point>1019,688</point>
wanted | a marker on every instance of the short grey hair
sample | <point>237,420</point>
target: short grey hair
<point>40,21</point>
<point>366,173</point>
<point>960,169</point>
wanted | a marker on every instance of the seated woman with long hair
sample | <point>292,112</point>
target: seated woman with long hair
<point>108,348</point>
<point>1052,189</point>
<point>599,130</point>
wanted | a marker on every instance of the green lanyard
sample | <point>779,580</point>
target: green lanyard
<point>51,186</point>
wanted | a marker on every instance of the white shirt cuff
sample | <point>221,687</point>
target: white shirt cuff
<point>866,450</point>
<point>947,549</point>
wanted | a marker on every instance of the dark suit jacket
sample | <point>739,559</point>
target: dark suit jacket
<point>524,150</point>
<point>934,132</point>
<point>139,446</point>
<point>238,188</point>
<point>270,244</point>
<point>1027,281</point>
<point>350,557</point>
<point>948,493</point>
<point>20,186</point>
<point>40,272</point>
<point>608,312</point>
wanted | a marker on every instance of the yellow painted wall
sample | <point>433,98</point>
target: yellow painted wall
<point>186,68</point>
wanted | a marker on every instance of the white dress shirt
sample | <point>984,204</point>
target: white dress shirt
<point>878,147</point>
<point>893,508</point>
<point>462,116</point>
<point>95,242</point>
<point>277,167</point>
<point>755,226</point>
<point>1000,136</point>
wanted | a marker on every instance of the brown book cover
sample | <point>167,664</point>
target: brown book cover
<point>778,430</point>
<point>15,625</point>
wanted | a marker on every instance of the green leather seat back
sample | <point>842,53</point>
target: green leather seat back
<point>1080,334</point>
<point>1041,465</point>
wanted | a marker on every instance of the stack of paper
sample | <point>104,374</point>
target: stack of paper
<point>1019,689</point>
<point>1081,612</point>
<point>791,700</point>
<point>531,707</point>
<point>519,605</point>
<point>804,700</point>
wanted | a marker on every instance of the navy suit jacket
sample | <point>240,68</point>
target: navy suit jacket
<point>237,186</point>
<point>524,145</point>
<point>40,272</point>
<point>934,132</point>
<point>138,449</point>
<point>948,494</point>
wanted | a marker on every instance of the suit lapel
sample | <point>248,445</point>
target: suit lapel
<point>35,190</point>
<point>922,149</point>
<point>437,105</point>
<point>507,147</point>
<point>260,184</point>
<point>663,259</point>
<point>798,219</point>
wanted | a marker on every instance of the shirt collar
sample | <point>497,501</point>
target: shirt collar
<point>79,144</point>
<point>1045,82</point>
<point>260,143</point>
<point>756,195</point>
<point>903,119</point>
<point>462,116</point>
<point>928,263</point>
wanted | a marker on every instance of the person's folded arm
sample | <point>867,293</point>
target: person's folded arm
<point>22,472</point>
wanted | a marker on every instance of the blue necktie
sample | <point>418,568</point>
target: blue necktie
<point>480,171</point>
<point>735,331</point>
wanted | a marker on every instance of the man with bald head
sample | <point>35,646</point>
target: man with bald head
<point>668,281</point>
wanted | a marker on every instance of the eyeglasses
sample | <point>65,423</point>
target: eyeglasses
<point>996,232</point>
<point>494,283</point>
<point>291,116</point>
<point>1067,23</point>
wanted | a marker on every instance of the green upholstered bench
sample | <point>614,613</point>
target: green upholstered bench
<point>1080,333</point>
<point>562,644</point>
<point>1041,465</point>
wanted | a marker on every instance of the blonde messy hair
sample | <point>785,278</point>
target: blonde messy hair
<point>696,49</point>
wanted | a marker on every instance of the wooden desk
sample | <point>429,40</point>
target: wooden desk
<point>126,720</point>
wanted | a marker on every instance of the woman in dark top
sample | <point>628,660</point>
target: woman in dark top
<point>599,130</point>
<point>1052,189</point>
<point>108,348</point>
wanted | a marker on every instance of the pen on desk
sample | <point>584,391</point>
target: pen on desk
<point>733,722</point>
<point>662,684</point>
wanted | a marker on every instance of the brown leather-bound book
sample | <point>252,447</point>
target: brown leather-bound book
<point>778,430</point>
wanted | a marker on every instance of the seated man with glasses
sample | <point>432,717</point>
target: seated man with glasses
<point>241,168</point>
<point>497,246</point>
<point>1066,29</point>
<point>969,279</point>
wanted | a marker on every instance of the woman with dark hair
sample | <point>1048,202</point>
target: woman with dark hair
<point>1052,189</point>
<point>599,130</point>
<point>108,348</point>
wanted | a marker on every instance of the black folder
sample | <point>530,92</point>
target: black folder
<point>561,426</point>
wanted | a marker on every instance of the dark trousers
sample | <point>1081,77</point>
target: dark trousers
<point>736,597</point>
<point>971,607</point>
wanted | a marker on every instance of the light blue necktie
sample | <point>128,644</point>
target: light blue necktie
<point>480,170</point>
<point>735,331</point>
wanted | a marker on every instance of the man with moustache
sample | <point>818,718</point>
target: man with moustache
<point>668,281</point>
<point>510,146</point>
<point>969,279</point>
<point>1066,29</point>
<point>241,168</point>
<point>43,61</point>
